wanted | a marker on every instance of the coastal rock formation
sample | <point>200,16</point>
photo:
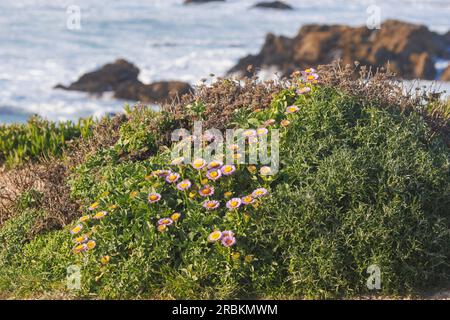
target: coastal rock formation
<point>273,5</point>
<point>409,49</point>
<point>107,78</point>
<point>121,77</point>
<point>445,76</point>
<point>157,91</point>
<point>201,1</point>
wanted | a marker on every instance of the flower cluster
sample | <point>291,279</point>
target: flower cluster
<point>164,223</point>
<point>226,238</point>
<point>83,241</point>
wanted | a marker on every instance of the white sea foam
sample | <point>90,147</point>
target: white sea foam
<point>165,39</point>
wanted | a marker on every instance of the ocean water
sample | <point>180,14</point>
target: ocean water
<point>165,39</point>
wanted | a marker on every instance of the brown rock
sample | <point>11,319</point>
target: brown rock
<point>201,1</point>
<point>445,76</point>
<point>273,5</point>
<point>122,78</point>
<point>408,49</point>
<point>107,78</point>
<point>151,93</point>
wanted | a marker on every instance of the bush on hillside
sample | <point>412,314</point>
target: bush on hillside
<point>360,183</point>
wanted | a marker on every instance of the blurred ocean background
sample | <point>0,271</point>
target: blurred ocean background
<point>164,38</point>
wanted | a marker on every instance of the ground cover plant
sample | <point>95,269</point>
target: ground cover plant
<point>38,138</point>
<point>363,180</point>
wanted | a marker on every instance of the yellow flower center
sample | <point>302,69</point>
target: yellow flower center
<point>214,174</point>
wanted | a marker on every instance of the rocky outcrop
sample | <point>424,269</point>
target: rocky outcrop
<point>409,49</point>
<point>445,76</point>
<point>201,1</point>
<point>107,78</point>
<point>157,91</point>
<point>273,5</point>
<point>121,77</point>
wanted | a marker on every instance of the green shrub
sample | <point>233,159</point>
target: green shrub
<point>358,185</point>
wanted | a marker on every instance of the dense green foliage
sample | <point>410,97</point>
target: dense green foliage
<point>357,186</point>
<point>38,138</point>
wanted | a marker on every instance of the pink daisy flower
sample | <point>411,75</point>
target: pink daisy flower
<point>172,177</point>
<point>206,191</point>
<point>214,174</point>
<point>183,185</point>
<point>260,192</point>
<point>228,241</point>
<point>234,203</point>
<point>247,200</point>
<point>165,221</point>
<point>211,204</point>
<point>154,197</point>
<point>228,169</point>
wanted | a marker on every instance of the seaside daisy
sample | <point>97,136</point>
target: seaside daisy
<point>227,233</point>
<point>112,207</point>
<point>100,215</point>
<point>248,258</point>
<point>192,194</point>
<point>161,173</point>
<point>247,200</point>
<point>228,169</point>
<point>310,70</point>
<point>311,77</point>
<point>154,197</point>
<point>175,216</point>
<point>215,236</point>
<point>303,90</point>
<point>105,259</point>
<point>249,133</point>
<point>206,191</point>
<point>183,185</point>
<point>84,218</point>
<point>265,170</point>
<point>80,248</point>
<point>292,109</point>
<point>285,123</point>
<point>91,244</point>
<point>76,229</point>
<point>198,164</point>
<point>215,164</point>
<point>228,241</point>
<point>162,227</point>
<point>228,194</point>
<point>262,131</point>
<point>133,194</point>
<point>165,221</point>
<point>93,206</point>
<point>211,204</point>
<point>213,174</point>
<point>172,177</point>
<point>234,203</point>
<point>260,192</point>
<point>81,239</point>
<point>233,147</point>
<point>251,168</point>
